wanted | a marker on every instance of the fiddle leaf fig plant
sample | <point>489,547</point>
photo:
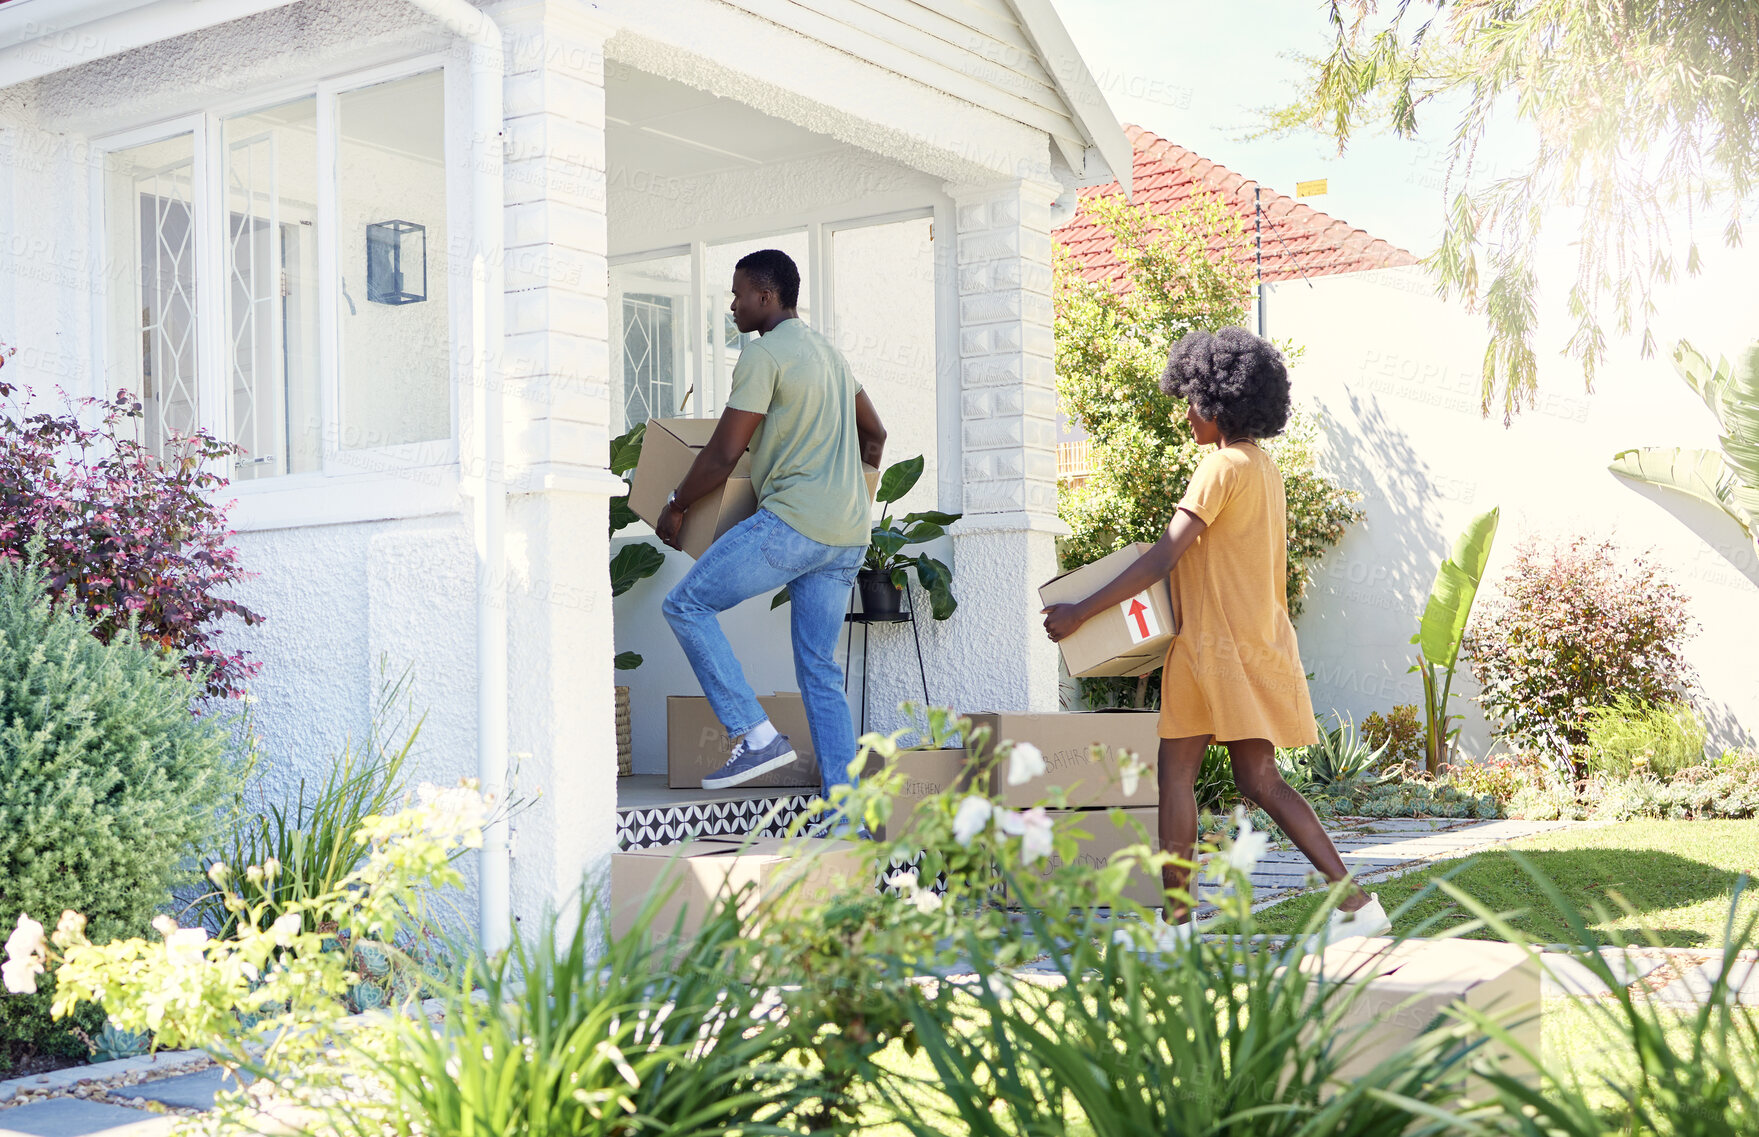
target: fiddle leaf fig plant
<point>637,561</point>
<point>885,551</point>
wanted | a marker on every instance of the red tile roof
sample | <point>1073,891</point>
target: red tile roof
<point>1297,239</point>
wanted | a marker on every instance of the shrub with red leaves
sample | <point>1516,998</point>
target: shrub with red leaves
<point>1578,625</point>
<point>122,532</point>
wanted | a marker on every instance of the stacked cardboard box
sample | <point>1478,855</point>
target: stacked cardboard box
<point>1068,741</point>
<point>927,774</point>
<point>699,873</point>
<point>1411,984</point>
<point>697,745</point>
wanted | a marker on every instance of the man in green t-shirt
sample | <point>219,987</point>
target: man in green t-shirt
<point>809,427</point>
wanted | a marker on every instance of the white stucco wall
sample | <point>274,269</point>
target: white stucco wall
<point>1394,373</point>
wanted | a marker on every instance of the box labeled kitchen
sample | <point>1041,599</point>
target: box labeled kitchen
<point>1068,740</point>
<point>1129,638</point>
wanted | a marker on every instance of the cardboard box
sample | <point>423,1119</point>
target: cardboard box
<point>1127,639</point>
<point>667,451</point>
<point>927,773</point>
<point>1106,837</point>
<point>1411,984</point>
<point>697,745</point>
<point>799,871</point>
<point>1067,740</point>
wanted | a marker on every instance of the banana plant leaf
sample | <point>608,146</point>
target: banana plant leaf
<point>634,563</point>
<point>1456,584</point>
<point>779,599</point>
<point>627,661</point>
<point>899,479</point>
<point>1700,473</point>
<point>1732,394</point>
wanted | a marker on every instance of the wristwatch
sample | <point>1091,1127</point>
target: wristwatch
<point>672,501</point>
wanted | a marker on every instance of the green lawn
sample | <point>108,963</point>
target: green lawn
<point>1677,876</point>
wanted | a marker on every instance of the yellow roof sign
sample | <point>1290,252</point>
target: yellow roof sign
<point>1310,189</point>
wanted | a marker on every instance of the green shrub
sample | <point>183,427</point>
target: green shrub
<point>1502,776</point>
<point>1400,731</point>
<point>107,782</point>
<point>1629,737</point>
<point>1577,626</point>
<point>1341,764</point>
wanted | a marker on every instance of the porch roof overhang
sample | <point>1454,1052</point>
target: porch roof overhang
<point>42,37</point>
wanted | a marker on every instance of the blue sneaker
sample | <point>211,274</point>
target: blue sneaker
<point>746,763</point>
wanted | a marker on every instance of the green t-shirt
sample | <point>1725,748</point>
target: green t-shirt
<point>806,455</point>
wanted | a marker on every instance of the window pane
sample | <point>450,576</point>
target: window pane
<point>882,296</point>
<point>650,300</point>
<point>396,354</point>
<point>152,323</point>
<point>724,338</point>
<point>271,289</point>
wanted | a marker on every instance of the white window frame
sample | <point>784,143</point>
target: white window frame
<point>380,482</point>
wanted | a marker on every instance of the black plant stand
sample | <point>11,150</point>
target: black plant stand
<point>907,615</point>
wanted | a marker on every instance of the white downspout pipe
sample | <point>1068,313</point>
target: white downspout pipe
<point>489,487</point>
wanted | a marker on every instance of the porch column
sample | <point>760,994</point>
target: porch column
<point>562,733</point>
<point>1005,547</point>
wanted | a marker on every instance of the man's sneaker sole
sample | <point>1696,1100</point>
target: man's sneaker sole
<point>734,780</point>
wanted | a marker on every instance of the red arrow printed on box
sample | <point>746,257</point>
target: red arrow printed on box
<point>1139,618</point>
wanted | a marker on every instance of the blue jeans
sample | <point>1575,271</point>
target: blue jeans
<point>755,558</point>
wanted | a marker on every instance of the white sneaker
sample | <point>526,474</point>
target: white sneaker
<point>1172,937</point>
<point>1368,920</point>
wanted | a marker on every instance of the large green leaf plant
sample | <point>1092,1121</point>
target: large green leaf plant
<point>885,552</point>
<point>1438,638</point>
<point>637,561</point>
<point>1727,478</point>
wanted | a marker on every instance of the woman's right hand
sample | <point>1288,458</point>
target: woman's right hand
<point>1061,621</point>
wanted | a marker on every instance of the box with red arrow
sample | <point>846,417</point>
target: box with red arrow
<point>1128,639</point>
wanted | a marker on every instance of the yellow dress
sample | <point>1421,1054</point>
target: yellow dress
<point>1234,671</point>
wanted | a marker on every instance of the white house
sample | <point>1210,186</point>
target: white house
<point>1391,371</point>
<point>422,259</point>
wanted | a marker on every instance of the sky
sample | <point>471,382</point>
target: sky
<point>1199,72</point>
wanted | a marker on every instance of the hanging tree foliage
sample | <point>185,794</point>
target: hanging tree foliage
<point>1645,120</point>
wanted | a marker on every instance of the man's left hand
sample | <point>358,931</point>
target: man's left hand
<point>670,526</point>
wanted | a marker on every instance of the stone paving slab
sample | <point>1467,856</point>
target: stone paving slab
<point>1566,975</point>
<point>190,1091</point>
<point>77,1117</point>
<point>1694,985</point>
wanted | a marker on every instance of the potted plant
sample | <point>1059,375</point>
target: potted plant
<point>634,562</point>
<point>887,566</point>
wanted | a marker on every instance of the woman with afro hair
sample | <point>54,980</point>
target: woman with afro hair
<point>1233,673</point>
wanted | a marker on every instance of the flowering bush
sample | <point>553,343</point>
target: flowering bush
<point>106,781</point>
<point>123,533</point>
<point>1577,626</point>
<point>1502,776</point>
<point>260,999</point>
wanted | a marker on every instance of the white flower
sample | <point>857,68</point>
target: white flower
<point>71,928</point>
<point>271,869</point>
<point>19,975</point>
<point>182,945</point>
<point>26,940</point>
<point>1248,848</point>
<point>974,813</point>
<point>904,880</point>
<point>456,812</point>
<point>926,901</point>
<point>1038,839</point>
<point>1130,771</point>
<point>285,928</point>
<point>1010,822</point>
<point>218,872</point>
<point>1025,762</point>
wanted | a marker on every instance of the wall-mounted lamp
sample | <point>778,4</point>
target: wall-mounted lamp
<point>396,262</point>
